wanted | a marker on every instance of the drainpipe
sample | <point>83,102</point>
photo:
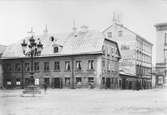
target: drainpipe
<point>22,74</point>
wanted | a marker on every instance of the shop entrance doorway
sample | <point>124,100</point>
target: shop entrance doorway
<point>57,83</point>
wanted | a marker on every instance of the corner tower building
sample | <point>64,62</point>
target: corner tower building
<point>161,51</point>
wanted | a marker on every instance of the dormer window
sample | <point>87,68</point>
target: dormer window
<point>52,38</point>
<point>56,49</point>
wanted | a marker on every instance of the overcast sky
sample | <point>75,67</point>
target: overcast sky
<point>16,16</point>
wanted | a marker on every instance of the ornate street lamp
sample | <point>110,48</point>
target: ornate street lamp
<point>32,48</point>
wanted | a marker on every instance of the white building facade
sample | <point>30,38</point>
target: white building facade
<point>136,53</point>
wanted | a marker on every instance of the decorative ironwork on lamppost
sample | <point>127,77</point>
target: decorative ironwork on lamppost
<point>32,48</point>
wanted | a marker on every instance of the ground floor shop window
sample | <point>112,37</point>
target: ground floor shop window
<point>120,84</point>
<point>57,82</point>
<point>27,81</point>
<point>67,81</point>
<point>9,82</point>
<point>78,81</point>
<point>18,82</point>
<point>46,81</point>
<point>103,81</point>
<point>36,81</point>
<point>160,80</point>
<point>108,83</point>
<point>90,79</point>
<point>91,82</point>
<point>130,85</point>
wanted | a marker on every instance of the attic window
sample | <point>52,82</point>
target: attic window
<point>109,34</point>
<point>56,49</point>
<point>120,33</point>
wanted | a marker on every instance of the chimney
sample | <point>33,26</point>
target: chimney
<point>46,29</point>
<point>74,28</point>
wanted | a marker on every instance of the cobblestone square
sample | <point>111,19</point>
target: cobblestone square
<point>85,102</point>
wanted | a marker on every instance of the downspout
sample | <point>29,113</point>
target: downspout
<point>22,73</point>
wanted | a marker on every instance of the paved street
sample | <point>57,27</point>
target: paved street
<point>85,102</point>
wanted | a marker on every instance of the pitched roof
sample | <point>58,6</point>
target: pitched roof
<point>140,37</point>
<point>160,24</point>
<point>2,48</point>
<point>84,42</point>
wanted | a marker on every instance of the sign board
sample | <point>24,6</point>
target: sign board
<point>128,56</point>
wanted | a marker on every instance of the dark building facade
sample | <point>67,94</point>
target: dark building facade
<point>2,49</point>
<point>79,59</point>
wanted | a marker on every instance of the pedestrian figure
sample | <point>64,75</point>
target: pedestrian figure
<point>45,87</point>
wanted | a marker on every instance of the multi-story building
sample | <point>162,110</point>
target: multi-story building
<point>78,59</point>
<point>2,48</point>
<point>161,52</point>
<point>136,52</point>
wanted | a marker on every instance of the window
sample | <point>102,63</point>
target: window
<point>106,51</point>
<point>67,66</point>
<point>103,49</point>
<point>47,81</point>
<point>8,67</point>
<point>109,34</point>
<point>67,81</point>
<point>125,47</point>
<point>78,80</point>
<point>108,65</point>
<point>46,66</point>
<point>78,65</point>
<point>36,66</point>
<point>36,81</point>
<point>27,67</point>
<point>56,49</point>
<point>103,63</point>
<point>57,66</point>
<point>120,33</point>
<point>90,64</point>
<point>103,80</point>
<point>17,67</point>
<point>165,39</point>
<point>90,79</point>
<point>8,82</point>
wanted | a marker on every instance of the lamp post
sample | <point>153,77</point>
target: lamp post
<point>32,48</point>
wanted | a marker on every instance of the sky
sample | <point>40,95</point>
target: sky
<point>17,17</point>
